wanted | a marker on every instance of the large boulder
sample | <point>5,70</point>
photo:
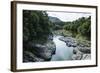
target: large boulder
<point>30,57</point>
<point>39,52</point>
<point>86,50</point>
<point>81,53</point>
<point>77,55</point>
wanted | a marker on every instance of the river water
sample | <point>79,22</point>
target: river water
<point>63,52</point>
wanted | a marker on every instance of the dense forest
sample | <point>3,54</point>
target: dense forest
<point>36,26</point>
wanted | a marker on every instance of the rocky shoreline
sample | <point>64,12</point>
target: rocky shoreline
<point>37,52</point>
<point>44,52</point>
<point>81,51</point>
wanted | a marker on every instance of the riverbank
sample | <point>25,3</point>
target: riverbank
<point>82,48</point>
<point>37,52</point>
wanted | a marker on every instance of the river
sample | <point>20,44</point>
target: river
<point>63,52</point>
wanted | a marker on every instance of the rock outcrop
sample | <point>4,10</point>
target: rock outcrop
<point>39,52</point>
<point>81,55</point>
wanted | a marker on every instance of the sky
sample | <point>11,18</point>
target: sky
<point>68,16</point>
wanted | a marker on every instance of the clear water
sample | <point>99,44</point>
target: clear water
<point>63,52</point>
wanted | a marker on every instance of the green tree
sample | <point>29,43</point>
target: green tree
<point>85,28</point>
<point>36,26</point>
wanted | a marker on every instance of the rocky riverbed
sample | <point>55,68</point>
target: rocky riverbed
<point>82,49</point>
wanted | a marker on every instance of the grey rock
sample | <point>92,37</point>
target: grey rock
<point>84,43</point>
<point>81,53</point>
<point>86,57</point>
<point>86,50</point>
<point>70,42</point>
<point>30,57</point>
<point>77,54</point>
<point>81,49</point>
<point>39,52</point>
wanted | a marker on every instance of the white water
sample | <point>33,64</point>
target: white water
<point>63,52</point>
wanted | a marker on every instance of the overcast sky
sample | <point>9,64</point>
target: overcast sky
<point>68,16</point>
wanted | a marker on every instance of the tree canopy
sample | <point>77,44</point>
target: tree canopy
<point>36,25</point>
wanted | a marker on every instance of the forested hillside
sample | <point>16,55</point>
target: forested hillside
<point>81,26</point>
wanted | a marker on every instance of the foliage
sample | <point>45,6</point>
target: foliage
<point>80,26</point>
<point>36,26</point>
<point>85,28</point>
